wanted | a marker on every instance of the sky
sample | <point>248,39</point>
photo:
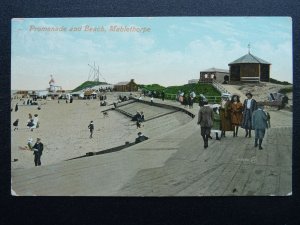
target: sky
<point>164,50</point>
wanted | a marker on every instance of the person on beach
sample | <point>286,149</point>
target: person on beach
<point>91,127</point>
<point>37,151</point>
<point>205,120</point>
<point>225,115</point>
<point>15,124</point>
<point>142,117</point>
<point>236,108</point>
<point>259,124</point>
<point>249,107</point>
<point>34,123</point>
<point>16,107</point>
<point>141,137</point>
<point>30,120</point>
<point>30,143</point>
<point>137,116</point>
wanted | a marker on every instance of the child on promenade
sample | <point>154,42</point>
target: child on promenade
<point>259,124</point>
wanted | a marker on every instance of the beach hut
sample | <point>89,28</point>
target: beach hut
<point>128,86</point>
<point>90,94</point>
<point>249,68</point>
<point>211,74</point>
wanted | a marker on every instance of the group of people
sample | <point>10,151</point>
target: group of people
<point>232,114</point>
<point>186,99</point>
<point>32,122</point>
<point>139,118</point>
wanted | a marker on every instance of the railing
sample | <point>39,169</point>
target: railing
<point>220,87</point>
<point>211,99</point>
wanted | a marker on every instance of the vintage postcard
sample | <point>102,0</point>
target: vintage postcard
<point>151,106</point>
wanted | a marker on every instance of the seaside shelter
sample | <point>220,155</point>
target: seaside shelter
<point>211,74</point>
<point>249,68</point>
<point>127,86</point>
<point>90,94</point>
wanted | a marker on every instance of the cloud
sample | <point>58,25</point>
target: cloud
<point>175,54</point>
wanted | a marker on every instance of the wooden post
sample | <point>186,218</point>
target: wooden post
<point>259,72</point>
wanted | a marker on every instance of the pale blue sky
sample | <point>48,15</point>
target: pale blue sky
<point>174,51</point>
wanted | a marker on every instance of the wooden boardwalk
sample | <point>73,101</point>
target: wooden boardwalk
<point>228,167</point>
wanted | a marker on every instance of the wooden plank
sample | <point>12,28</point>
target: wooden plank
<point>239,180</point>
<point>200,186</point>
<point>255,181</point>
<point>271,181</point>
<point>221,184</point>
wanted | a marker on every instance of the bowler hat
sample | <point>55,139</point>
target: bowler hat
<point>249,93</point>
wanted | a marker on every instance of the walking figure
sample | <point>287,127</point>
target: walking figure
<point>37,151</point>
<point>205,120</point>
<point>91,127</point>
<point>259,124</point>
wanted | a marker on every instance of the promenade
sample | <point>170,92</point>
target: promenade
<point>173,162</point>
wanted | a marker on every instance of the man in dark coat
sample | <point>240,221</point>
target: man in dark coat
<point>37,151</point>
<point>91,127</point>
<point>249,107</point>
<point>205,120</point>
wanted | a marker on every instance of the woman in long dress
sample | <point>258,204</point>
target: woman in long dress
<point>225,116</point>
<point>236,109</point>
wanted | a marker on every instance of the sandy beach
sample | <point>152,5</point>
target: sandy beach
<point>64,130</point>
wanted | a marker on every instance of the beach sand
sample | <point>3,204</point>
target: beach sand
<point>64,130</point>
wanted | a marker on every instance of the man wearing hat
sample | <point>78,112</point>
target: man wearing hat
<point>37,151</point>
<point>205,120</point>
<point>260,124</point>
<point>249,107</point>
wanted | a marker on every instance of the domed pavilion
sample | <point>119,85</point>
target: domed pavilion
<point>249,68</point>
